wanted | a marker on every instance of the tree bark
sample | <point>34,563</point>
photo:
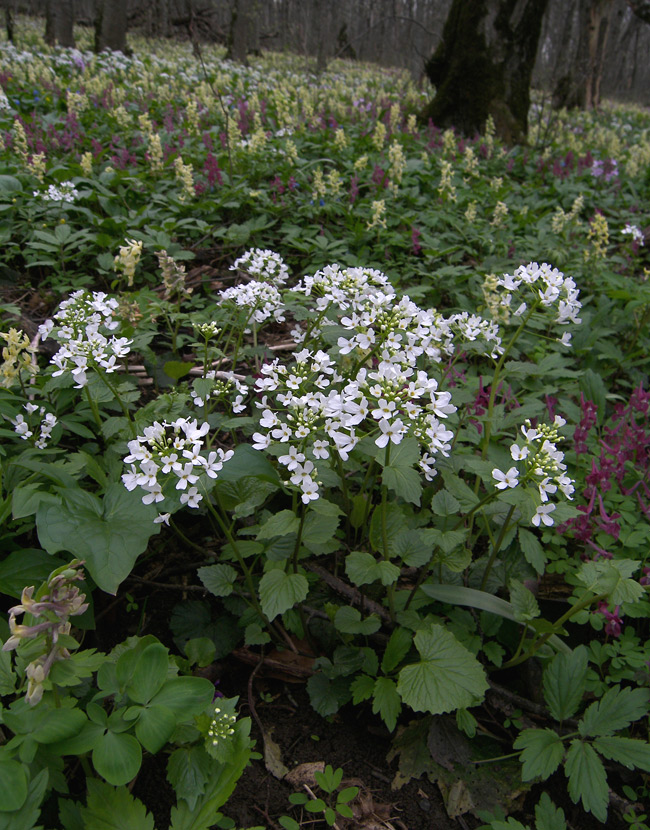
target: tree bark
<point>243,36</point>
<point>641,9</point>
<point>483,66</point>
<point>64,23</point>
<point>10,10</point>
<point>50,23</point>
<point>110,28</point>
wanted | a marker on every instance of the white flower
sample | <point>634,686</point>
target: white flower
<point>518,453</point>
<point>191,498</point>
<point>542,514</point>
<point>545,487</point>
<point>162,518</point>
<point>293,459</point>
<point>186,476</point>
<point>261,442</point>
<point>392,432</point>
<point>309,491</point>
<point>509,479</point>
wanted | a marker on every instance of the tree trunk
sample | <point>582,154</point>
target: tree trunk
<point>110,27</point>
<point>50,23</point>
<point>243,36</point>
<point>10,10</point>
<point>483,66</point>
<point>64,23</point>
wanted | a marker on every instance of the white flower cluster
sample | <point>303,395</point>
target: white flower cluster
<point>225,383</point>
<point>262,298</point>
<point>4,101</point>
<point>263,264</point>
<point>23,427</point>
<point>170,454</point>
<point>345,288</point>
<point>635,232</point>
<point>542,463</point>
<point>64,192</point>
<point>221,726</point>
<point>80,320</point>
<point>316,409</point>
<point>548,286</point>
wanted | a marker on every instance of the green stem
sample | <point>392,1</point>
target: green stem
<point>125,411</point>
<point>495,379</point>
<point>296,549</point>
<point>496,547</point>
<point>390,591</point>
<point>93,407</point>
<point>587,600</point>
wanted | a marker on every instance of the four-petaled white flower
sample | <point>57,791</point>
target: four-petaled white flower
<point>542,515</point>
<point>508,479</point>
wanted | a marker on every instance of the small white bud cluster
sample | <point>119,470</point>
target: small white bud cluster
<point>221,726</point>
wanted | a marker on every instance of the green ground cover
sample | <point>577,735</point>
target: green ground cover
<point>388,384</point>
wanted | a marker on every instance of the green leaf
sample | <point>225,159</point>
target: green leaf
<point>13,785</point>
<point>248,462</point>
<point>280,591</point>
<point>594,389</point>
<point>616,710</point>
<point>587,779</point>
<point>154,727</point>
<point>149,674</point>
<point>444,504</point>
<point>109,808</point>
<point>28,566</point>
<point>548,816</point>
<point>117,757</point>
<point>362,568</point>
<point>319,529</point>
<point>327,696</point>
<point>362,688</point>
<point>397,648</point>
<point>177,369</point>
<point>27,816</point>
<point>200,651</point>
<point>185,696</point>
<point>404,481</point>
<point>460,595</point>
<point>612,577</point>
<point>386,702</point>
<point>218,579</point>
<point>532,549</point>
<point>348,620</point>
<point>523,602</point>
<point>280,524</point>
<point>447,677</point>
<point>466,497</point>
<point>7,675</point>
<point>109,533</point>
<point>630,752</point>
<point>542,751</point>
<point>188,770</point>
<point>565,680</point>
<point>394,527</point>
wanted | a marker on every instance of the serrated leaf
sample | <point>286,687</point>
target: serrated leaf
<point>616,710</point>
<point>542,751</point>
<point>280,591</point>
<point>587,779</point>
<point>111,808</point>
<point>444,504</point>
<point>280,524</point>
<point>187,771</point>
<point>108,533</point>
<point>547,815</point>
<point>348,620</point>
<point>404,481</point>
<point>461,491</point>
<point>394,525</point>
<point>362,568</point>
<point>362,688</point>
<point>632,753</point>
<point>447,677</point>
<point>532,549</point>
<point>398,647</point>
<point>327,696</point>
<point>218,579</point>
<point>565,680</point>
<point>523,602</point>
<point>386,702</point>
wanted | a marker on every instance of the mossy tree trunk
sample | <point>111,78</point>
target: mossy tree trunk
<point>483,66</point>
